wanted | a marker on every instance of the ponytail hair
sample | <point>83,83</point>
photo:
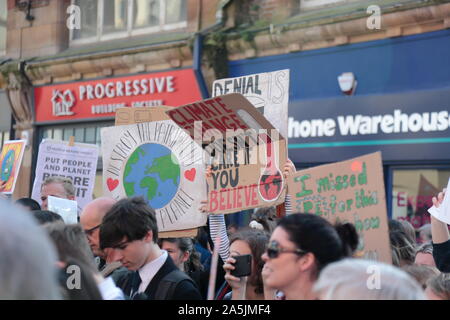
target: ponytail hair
<point>349,237</point>
<point>314,234</point>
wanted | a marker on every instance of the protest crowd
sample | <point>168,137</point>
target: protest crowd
<point>115,253</point>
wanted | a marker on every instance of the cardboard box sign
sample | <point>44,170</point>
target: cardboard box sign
<point>348,191</point>
<point>127,115</point>
<point>248,174</point>
<point>139,123</point>
<point>268,92</point>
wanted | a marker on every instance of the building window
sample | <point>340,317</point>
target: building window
<point>413,190</point>
<point>3,19</point>
<point>83,133</point>
<point>111,19</point>
<point>315,4</point>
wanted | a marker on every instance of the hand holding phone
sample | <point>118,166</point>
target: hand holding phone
<point>242,266</point>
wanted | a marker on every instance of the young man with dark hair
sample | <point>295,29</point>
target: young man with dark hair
<point>28,204</point>
<point>129,234</point>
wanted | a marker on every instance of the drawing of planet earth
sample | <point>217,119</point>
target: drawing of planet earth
<point>152,171</point>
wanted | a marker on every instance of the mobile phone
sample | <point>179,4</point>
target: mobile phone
<point>242,266</point>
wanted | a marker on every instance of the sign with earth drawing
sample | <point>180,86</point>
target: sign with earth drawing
<point>159,161</point>
<point>10,161</point>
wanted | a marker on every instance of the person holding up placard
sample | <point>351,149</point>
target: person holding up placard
<point>299,248</point>
<point>56,186</point>
<point>441,237</point>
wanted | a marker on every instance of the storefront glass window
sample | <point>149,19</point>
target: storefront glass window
<point>79,134</point>
<point>115,14</point>
<point>412,193</point>
<point>90,135</point>
<point>57,134</point>
<point>67,134</point>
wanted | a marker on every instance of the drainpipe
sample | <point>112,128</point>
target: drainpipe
<point>198,45</point>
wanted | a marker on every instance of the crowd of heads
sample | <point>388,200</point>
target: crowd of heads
<point>298,256</point>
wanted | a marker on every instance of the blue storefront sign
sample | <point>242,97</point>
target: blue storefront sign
<point>412,126</point>
<point>401,105</point>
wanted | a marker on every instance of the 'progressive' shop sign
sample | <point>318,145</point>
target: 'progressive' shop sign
<point>101,98</point>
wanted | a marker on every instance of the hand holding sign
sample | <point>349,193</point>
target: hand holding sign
<point>441,206</point>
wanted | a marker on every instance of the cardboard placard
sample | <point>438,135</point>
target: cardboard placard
<point>159,161</point>
<point>348,191</point>
<point>188,233</point>
<point>249,177</point>
<point>125,116</point>
<point>268,92</point>
<point>77,162</point>
<point>10,162</point>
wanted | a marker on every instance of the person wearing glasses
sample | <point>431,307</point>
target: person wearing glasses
<point>299,248</point>
<point>90,219</point>
<point>56,186</point>
<point>130,233</point>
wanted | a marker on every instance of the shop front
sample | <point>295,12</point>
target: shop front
<point>82,108</point>
<point>398,103</point>
<point>412,130</point>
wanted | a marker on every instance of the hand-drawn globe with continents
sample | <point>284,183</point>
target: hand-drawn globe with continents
<point>152,171</point>
<point>7,165</point>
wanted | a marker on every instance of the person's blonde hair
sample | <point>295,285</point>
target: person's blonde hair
<point>422,273</point>
<point>440,285</point>
<point>65,182</point>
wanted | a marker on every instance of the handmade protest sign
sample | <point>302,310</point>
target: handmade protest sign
<point>348,191</point>
<point>126,116</point>
<point>246,173</point>
<point>10,161</point>
<point>77,162</point>
<point>268,92</point>
<point>159,161</point>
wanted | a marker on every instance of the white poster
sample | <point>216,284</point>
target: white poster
<point>77,162</point>
<point>159,161</point>
<point>268,92</point>
<point>443,212</point>
<point>67,209</point>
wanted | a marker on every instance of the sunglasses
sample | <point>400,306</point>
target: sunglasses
<point>274,250</point>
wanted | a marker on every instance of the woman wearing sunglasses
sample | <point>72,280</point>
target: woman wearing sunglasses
<point>299,248</point>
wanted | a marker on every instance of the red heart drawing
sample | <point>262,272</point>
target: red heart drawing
<point>190,174</point>
<point>356,166</point>
<point>112,183</point>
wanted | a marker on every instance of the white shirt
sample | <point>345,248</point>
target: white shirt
<point>109,290</point>
<point>148,271</point>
